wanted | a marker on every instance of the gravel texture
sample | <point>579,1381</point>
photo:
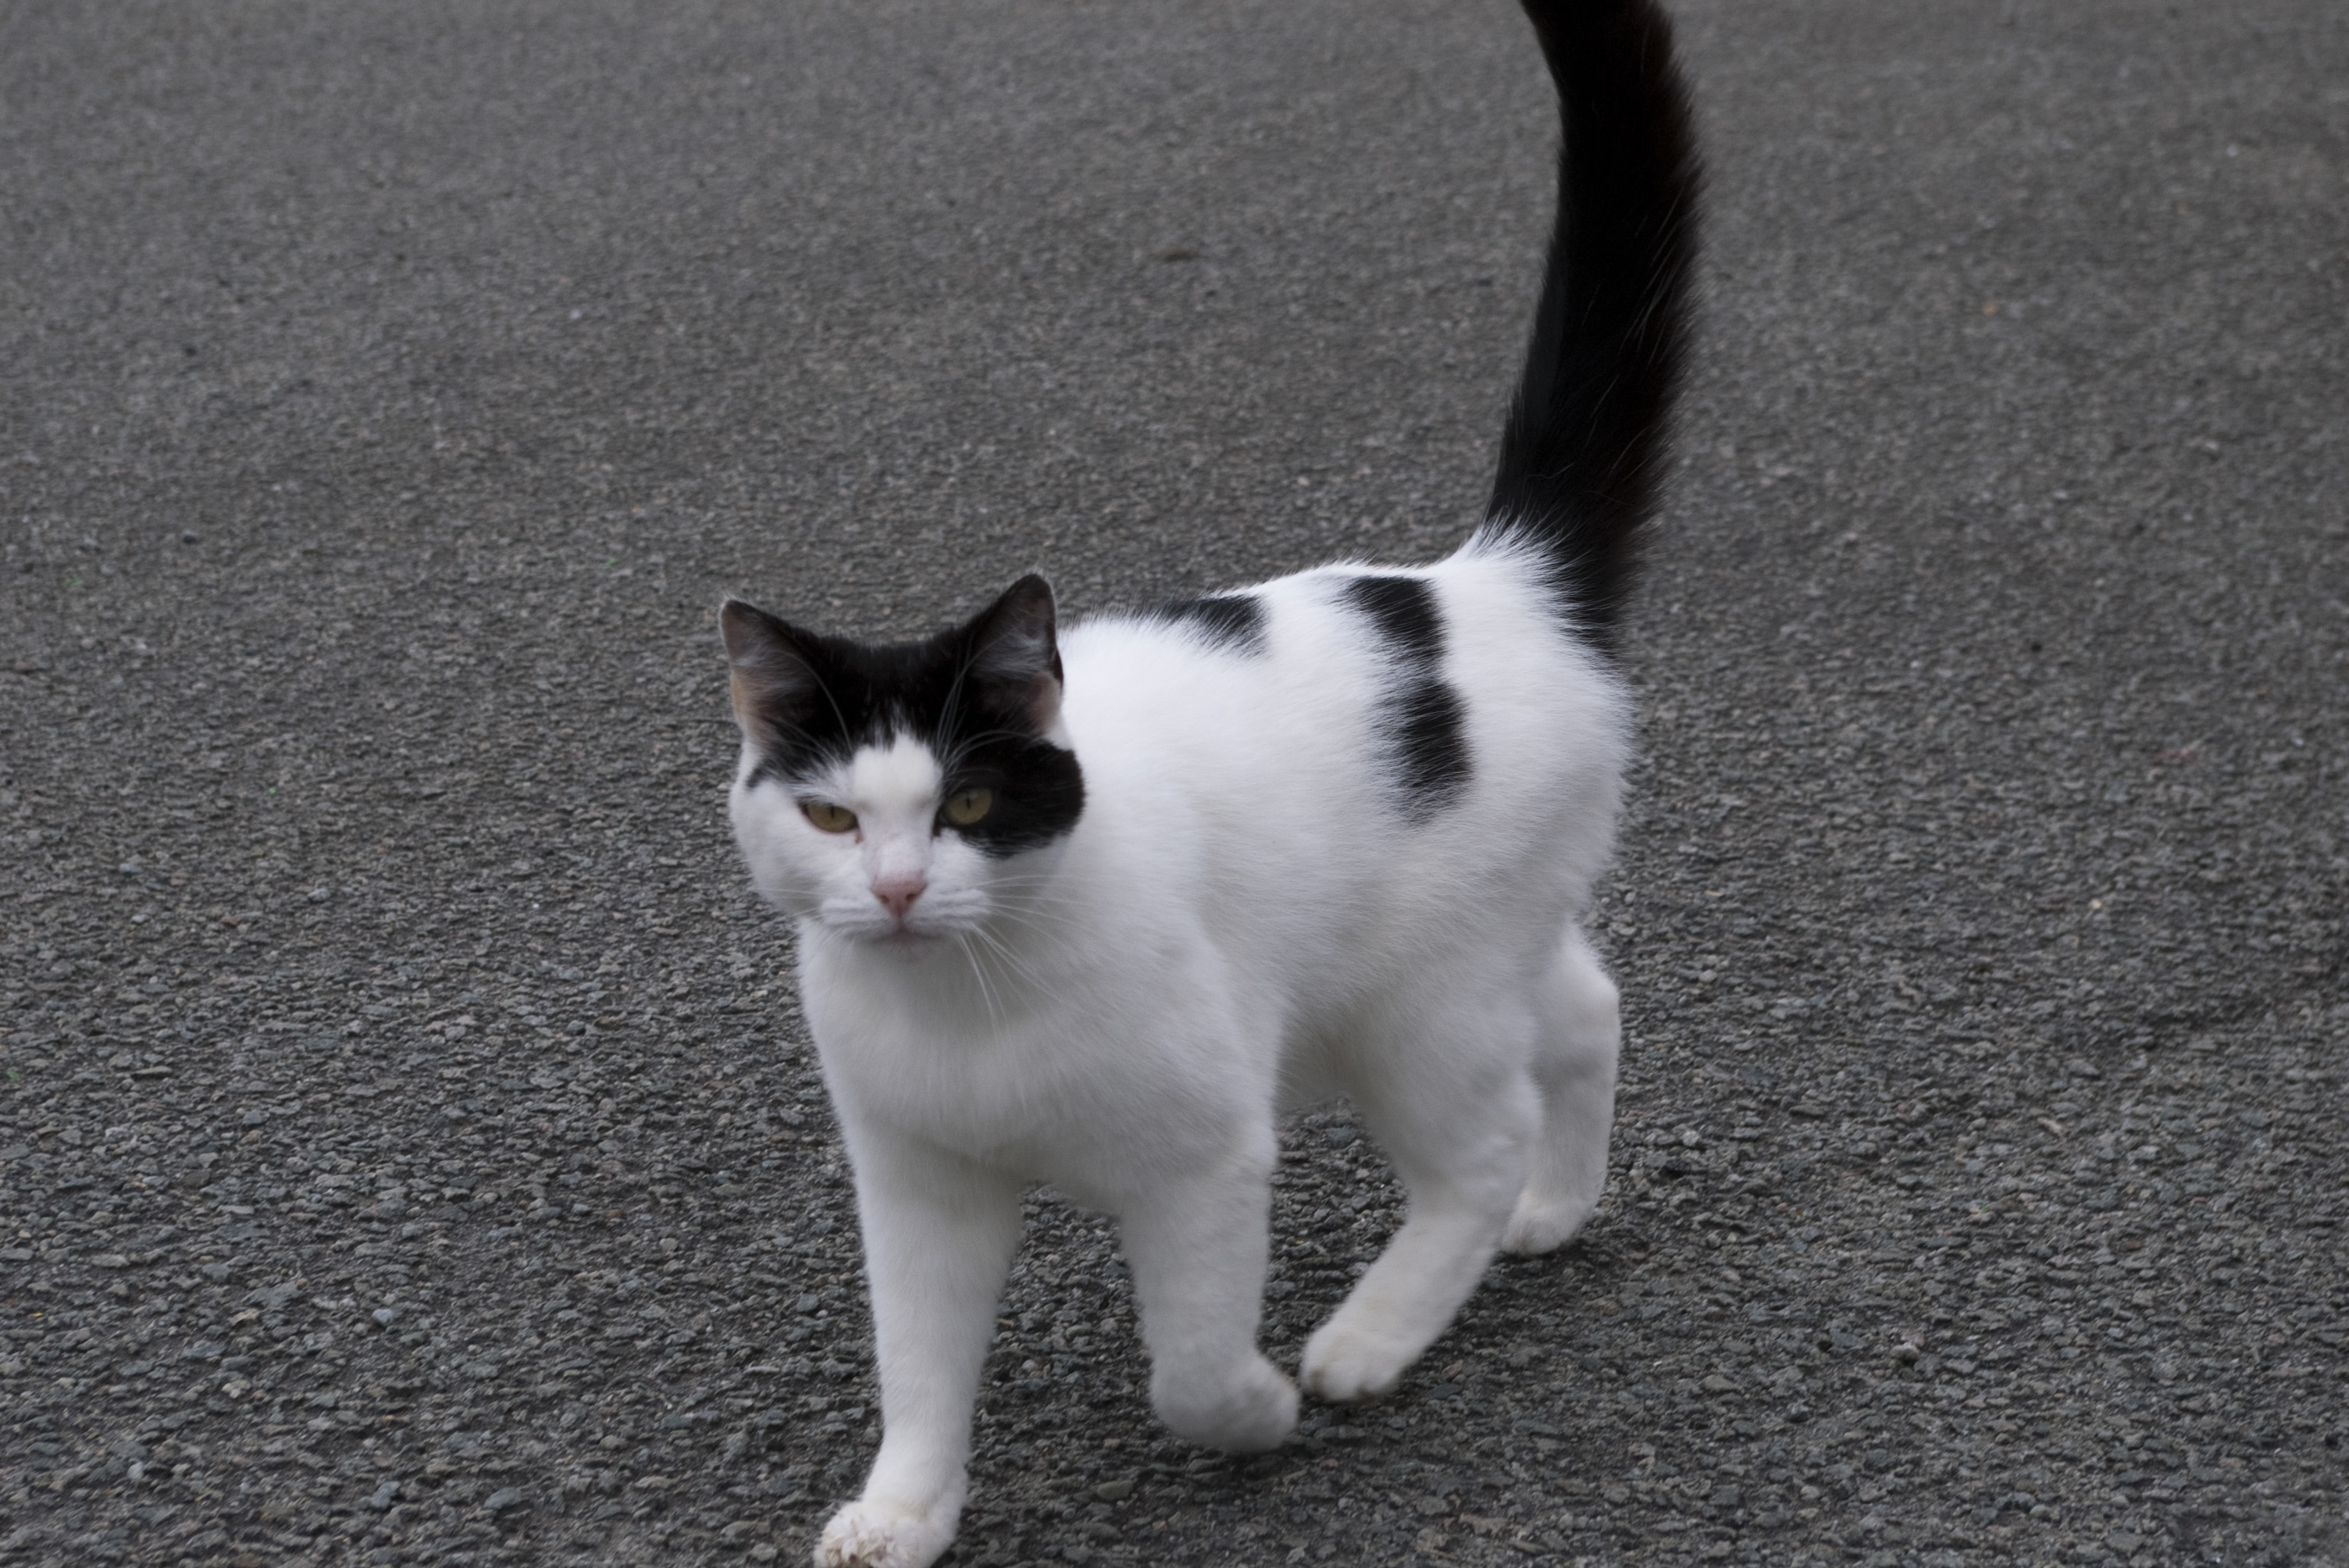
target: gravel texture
<point>409,1151</point>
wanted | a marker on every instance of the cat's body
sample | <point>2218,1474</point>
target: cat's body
<point>1244,815</point>
<point>1095,910</point>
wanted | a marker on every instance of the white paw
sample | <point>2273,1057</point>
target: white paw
<point>1543,1225</point>
<point>1254,1413</point>
<point>884,1535</point>
<point>1347,1360</point>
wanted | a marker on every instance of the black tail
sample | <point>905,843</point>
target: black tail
<point>1584,452</point>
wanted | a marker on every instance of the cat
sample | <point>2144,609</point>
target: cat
<point>1097,906</point>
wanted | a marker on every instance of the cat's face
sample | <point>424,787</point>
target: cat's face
<point>898,795</point>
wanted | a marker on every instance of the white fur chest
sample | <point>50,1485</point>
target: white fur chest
<point>1075,1079</point>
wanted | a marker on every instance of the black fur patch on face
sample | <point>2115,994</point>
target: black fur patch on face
<point>1232,622</point>
<point>979,696</point>
<point>1420,720</point>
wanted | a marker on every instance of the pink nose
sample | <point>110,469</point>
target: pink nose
<point>897,893</point>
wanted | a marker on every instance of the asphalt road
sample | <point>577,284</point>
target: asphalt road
<point>409,1152</point>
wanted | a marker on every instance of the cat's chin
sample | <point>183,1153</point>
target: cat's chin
<point>903,944</point>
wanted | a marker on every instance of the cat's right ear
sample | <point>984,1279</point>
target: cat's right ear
<point>772,676</point>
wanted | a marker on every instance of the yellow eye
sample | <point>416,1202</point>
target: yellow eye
<point>832,819</point>
<point>969,806</point>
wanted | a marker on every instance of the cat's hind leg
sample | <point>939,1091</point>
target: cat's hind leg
<point>1198,1245</point>
<point>1449,1095</point>
<point>1579,1031</point>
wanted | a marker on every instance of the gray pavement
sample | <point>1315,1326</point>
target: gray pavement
<point>409,1150</point>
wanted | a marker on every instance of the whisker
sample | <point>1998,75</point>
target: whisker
<point>1011,961</point>
<point>978,973</point>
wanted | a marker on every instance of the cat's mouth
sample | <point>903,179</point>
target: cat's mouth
<point>885,935</point>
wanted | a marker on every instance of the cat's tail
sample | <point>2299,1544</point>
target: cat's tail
<point>1583,454</point>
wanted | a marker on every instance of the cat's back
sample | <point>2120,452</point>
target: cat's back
<point>1354,753</point>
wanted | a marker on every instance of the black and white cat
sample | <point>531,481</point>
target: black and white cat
<point>1096,906</point>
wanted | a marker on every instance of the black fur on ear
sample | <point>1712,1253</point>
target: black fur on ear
<point>772,673</point>
<point>1015,654</point>
<point>981,695</point>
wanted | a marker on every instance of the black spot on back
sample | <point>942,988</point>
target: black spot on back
<point>1233,622</point>
<point>1404,608</point>
<point>1420,720</point>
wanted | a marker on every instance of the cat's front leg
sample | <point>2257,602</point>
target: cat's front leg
<point>939,1232</point>
<point>1198,1246</point>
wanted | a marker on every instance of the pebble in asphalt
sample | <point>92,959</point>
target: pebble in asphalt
<point>409,1151</point>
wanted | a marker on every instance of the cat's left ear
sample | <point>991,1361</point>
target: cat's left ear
<point>1015,653</point>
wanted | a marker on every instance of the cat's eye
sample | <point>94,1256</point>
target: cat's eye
<point>965,807</point>
<point>832,819</point>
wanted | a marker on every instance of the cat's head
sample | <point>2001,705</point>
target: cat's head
<point>899,793</point>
